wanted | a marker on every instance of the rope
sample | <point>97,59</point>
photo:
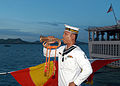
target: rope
<point>54,68</point>
<point>47,64</point>
<point>104,59</point>
<point>4,73</point>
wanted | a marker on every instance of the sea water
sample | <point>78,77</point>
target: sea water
<point>19,56</point>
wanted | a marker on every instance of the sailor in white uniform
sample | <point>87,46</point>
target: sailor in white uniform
<point>73,65</point>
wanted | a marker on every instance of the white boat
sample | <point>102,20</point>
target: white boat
<point>104,43</point>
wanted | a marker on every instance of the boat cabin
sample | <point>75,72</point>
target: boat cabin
<point>104,42</point>
<point>108,33</point>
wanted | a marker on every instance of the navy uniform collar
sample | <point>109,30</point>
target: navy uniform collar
<point>66,51</point>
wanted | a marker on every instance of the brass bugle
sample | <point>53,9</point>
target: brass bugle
<point>48,39</point>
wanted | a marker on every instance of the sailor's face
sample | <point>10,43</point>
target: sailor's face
<point>66,37</point>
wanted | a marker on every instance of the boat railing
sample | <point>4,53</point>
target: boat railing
<point>104,48</point>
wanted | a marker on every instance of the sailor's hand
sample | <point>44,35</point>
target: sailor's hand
<point>71,84</point>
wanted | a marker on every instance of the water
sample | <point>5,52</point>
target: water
<point>20,56</point>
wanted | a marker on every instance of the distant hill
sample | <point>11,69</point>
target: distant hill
<point>20,41</point>
<point>16,41</point>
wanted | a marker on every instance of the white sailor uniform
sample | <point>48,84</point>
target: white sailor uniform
<point>73,65</point>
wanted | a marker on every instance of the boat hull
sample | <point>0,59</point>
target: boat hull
<point>115,64</point>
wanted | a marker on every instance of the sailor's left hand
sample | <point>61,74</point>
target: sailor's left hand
<point>71,84</point>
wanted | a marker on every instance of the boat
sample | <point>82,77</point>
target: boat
<point>6,45</point>
<point>104,43</point>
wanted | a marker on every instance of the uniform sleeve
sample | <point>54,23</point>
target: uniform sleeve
<point>52,53</point>
<point>85,65</point>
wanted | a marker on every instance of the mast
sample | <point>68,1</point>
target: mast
<point>111,9</point>
<point>114,14</point>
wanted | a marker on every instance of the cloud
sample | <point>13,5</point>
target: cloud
<point>31,30</point>
<point>59,24</point>
<point>16,33</point>
<point>50,23</point>
<point>16,23</point>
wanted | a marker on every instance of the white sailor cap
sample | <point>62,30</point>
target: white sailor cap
<point>72,29</point>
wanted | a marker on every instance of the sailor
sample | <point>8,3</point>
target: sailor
<point>73,65</point>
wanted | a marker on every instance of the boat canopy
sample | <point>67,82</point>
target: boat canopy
<point>106,33</point>
<point>105,28</point>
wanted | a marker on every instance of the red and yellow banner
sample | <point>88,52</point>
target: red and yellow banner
<point>34,76</point>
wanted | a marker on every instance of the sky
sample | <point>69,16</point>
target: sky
<point>28,19</point>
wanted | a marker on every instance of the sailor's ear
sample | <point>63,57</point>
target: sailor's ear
<point>73,36</point>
